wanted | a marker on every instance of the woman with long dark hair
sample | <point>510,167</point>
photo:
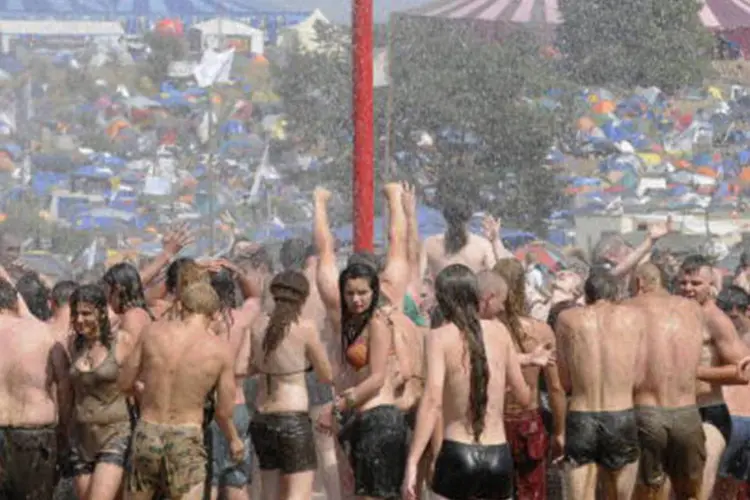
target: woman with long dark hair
<point>284,345</point>
<point>467,360</point>
<point>101,431</point>
<point>525,424</point>
<point>126,297</point>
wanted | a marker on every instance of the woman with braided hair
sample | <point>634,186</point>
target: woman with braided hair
<point>467,360</point>
<point>283,347</point>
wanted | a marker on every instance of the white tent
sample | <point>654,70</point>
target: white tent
<point>214,30</point>
<point>303,33</point>
<point>101,31</point>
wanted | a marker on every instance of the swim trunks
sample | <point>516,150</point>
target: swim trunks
<point>28,461</point>
<point>225,472</point>
<point>92,444</point>
<point>318,393</point>
<point>607,438</point>
<point>718,416</point>
<point>466,471</point>
<point>378,439</point>
<point>529,444</point>
<point>284,441</point>
<point>170,458</point>
<point>736,459</point>
<point>672,444</point>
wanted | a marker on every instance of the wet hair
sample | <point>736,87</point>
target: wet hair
<point>8,296</point>
<point>289,290</point>
<point>260,257</point>
<point>191,273</point>
<point>608,244</point>
<point>173,273</point>
<point>62,291</point>
<point>456,215</point>
<point>457,293</point>
<point>558,309</point>
<point>199,298</point>
<point>731,297</point>
<point>600,285</point>
<point>294,253</point>
<point>366,258</point>
<point>651,275</point>
<point>352,324</point>
<point>95,296</point>
<point>126,281</point>
<point>36,295</point>
<point>225,287</point>
<point>511,270</point>
<point>694,263</point>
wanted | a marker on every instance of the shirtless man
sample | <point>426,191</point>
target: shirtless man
<point>299,255</point>
<point>229,476</point>
<point>721,346</point>
<point>468,359</point>
<point>735,467</point>
<point>597,348</point>
<point>457,245</point>
<point>35,399</point>
<point>669,424</point>
<point>523,423</point>
<point>179,362</point>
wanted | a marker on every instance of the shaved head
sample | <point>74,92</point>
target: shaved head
<point>491,283</point>
<point>650,274</point>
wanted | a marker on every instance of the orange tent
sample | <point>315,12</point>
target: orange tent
<point>604,107</point>
<point>707,171</point>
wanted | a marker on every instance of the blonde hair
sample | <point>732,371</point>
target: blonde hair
<point>191,273</point>
<point>199,298</point>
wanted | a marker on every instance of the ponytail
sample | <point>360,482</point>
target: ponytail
<point>467,321</point>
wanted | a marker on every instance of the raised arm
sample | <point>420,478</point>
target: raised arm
<point>395,276</point>
<point>491,230</point>
<point>327,274</point>
<point>655,232</point>
<point>173,242</point>
<point>413,246</point>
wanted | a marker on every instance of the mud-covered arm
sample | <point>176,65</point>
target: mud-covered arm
<point>379,344</point>
<point>430,407</point>
<point>131,367</point>
<point>172,244</point>
<point>557,399</point>
<point>327,273</point>
<point>562,335</point>
<point>225,393</point>
<point>316,353</point>
<point>394,279</point>
<point>59,376</point>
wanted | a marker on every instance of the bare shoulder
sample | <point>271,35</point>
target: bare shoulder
<point>539,330</point>
<point>718,322</point>
<point>308,327</point>
<point>568,318</point>
<point>496,330</point>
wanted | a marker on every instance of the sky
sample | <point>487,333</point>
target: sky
<point>339,11</point>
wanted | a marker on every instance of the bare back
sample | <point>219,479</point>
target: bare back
<point>477,254</point>
<point>282,372</point>
<point>599,347</point>
<point>501,360</point>
<point>180,365</point>
<point>670,352</point>
<point>536,334</point>
<point>27,381</point>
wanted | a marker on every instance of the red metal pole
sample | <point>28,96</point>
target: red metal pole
<point>363,179</point>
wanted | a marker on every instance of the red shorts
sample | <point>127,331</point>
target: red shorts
<point>529,444</point>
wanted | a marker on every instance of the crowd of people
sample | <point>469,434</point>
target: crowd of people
<point>429,372</point>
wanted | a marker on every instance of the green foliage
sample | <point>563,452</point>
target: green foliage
<point>444,78</point>
<point>638,42</point>
<point>164,50</point>
<point>447,77</point>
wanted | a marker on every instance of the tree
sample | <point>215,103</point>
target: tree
<point>476,96</point>
<point>165,49</point>
<point>316,89</point>
<point>638,42</point>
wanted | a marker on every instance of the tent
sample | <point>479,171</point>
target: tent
<point>303,33</point>
<point>213,30</point>
<point>729,17</point>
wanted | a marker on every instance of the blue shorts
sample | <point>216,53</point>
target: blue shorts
<point>735,462</point>
<point>224,471</point>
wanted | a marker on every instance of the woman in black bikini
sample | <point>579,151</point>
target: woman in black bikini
<point>283,346</point>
